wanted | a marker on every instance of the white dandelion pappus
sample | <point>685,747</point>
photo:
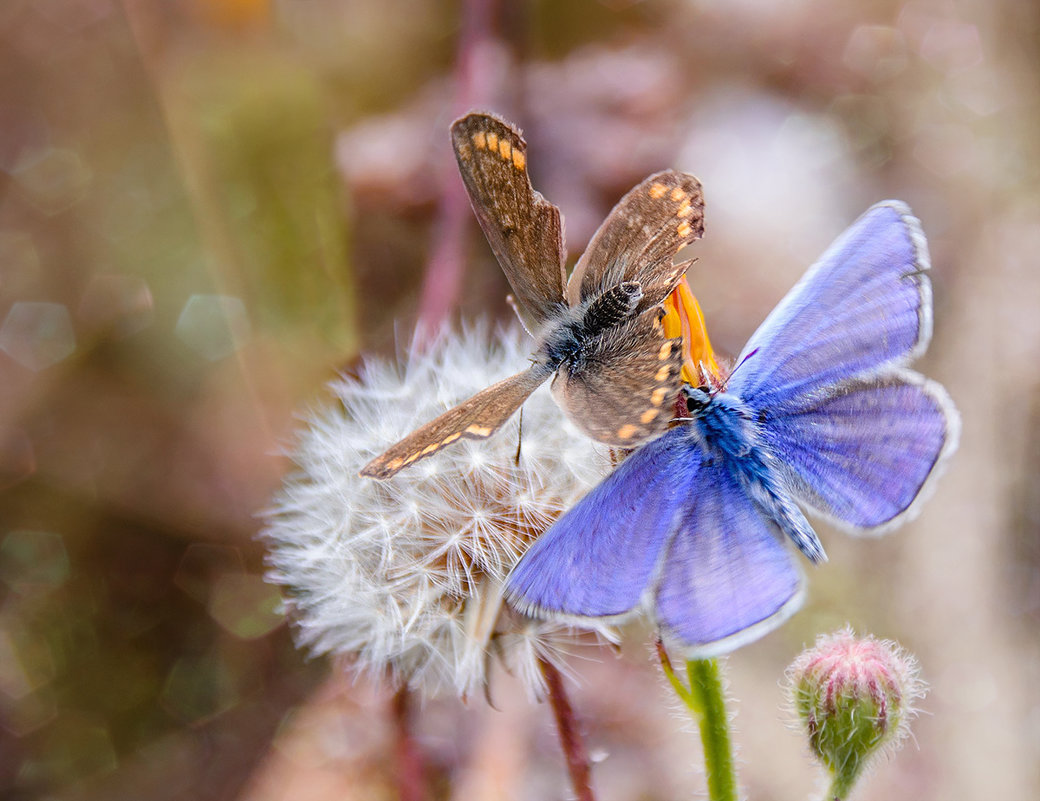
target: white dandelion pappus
<point>405,576</point>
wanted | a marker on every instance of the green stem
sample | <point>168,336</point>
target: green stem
<point>707,704</point>
<point>706,687</point>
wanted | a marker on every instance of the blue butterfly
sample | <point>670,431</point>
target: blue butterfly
<point>821,413</point>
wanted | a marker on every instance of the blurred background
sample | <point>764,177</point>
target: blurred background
<point>209,207</point>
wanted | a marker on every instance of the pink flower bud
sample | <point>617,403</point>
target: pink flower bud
<point>855,697</point>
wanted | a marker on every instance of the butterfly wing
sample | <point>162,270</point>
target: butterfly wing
<point>865,305</point>
<point>622,390</point>
<point>639,238</point>
<point>524,230</point>
<point>861,453</point>
<point>856,434</point>
<point>599,559</point>
<point>728,576</point>
<point>477,418</point>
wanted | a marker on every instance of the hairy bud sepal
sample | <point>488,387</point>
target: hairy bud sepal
<point>854,696</point>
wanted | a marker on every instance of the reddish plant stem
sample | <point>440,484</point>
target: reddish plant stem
<point>442,284</point>
<point>570,735</point>
<point>411,784</point>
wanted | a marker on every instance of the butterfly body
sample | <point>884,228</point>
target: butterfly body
<point>822,413</point>
<point>599,332</point>
<point>727,432</point>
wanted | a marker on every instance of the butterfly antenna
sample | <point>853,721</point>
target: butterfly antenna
<point>740,364</point>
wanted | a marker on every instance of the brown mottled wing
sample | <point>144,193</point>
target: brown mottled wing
<point>639,238</point>
<point>624,392</point>
<point>523,228</point>
<point>477,418</point>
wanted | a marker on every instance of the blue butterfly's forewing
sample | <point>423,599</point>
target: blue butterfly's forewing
<point>728,576</point>
<point>861,453</point>
<point>865,305</point>
<point>856,434</point>
<point>599,558</point>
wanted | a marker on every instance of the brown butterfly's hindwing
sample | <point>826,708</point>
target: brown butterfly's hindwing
<point>524,230</point>
<point>639,239</point>
<point>622,391</point>
<point>477,418</point>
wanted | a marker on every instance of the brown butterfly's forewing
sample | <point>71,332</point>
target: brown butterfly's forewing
<point>639,238</point>
<point>623,392</point>
<point>524,230</point>
<point>477,418</point>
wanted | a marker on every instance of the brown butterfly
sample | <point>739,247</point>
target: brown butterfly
<point>600,333</point>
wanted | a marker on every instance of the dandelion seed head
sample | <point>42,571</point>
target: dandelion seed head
<point>405,576</point>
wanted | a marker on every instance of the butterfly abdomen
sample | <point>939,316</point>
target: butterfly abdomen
<point>612,308</point>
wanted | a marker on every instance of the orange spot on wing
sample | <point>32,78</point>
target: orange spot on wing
<point>505,149</point>
<point>678,194</point>
<point>492,140</point>
<point>684,229</point>
<point>627,431</point>
<point>685,210</point>
<point>480,140</point>
<point>648,416</point>
<point>657,190</point>
<point>519,160</point>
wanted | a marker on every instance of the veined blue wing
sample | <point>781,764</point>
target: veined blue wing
<point>861,453</point>
<point>864,306</point>
<point>856,435</point>
<point>728,575</point>
<point>599,559</point>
